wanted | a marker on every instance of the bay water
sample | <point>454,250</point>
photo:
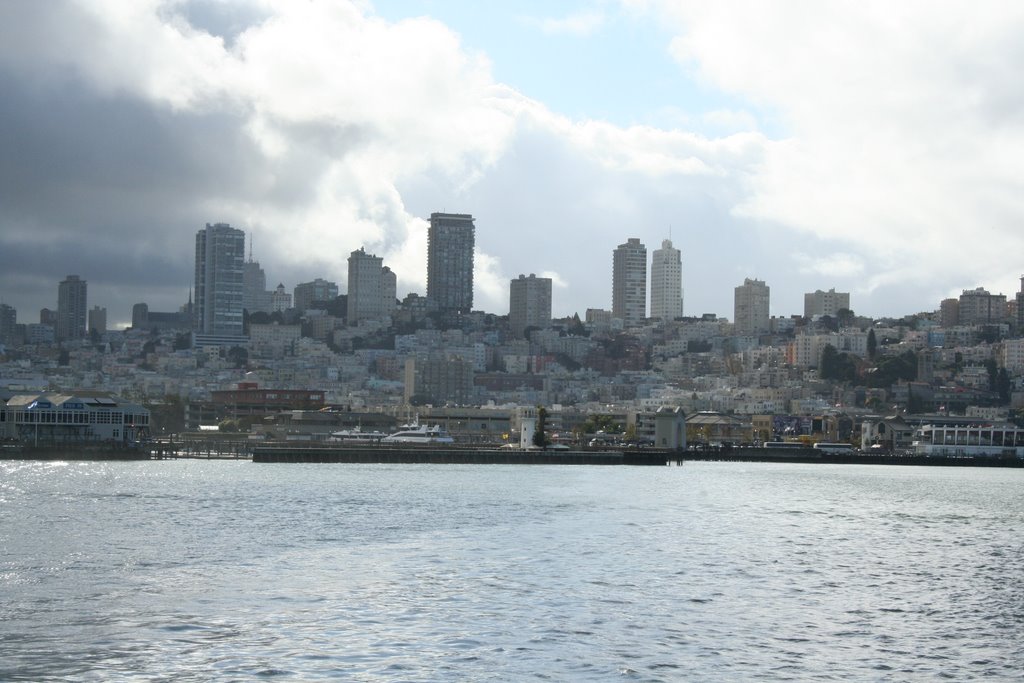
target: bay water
<point>195,570</point>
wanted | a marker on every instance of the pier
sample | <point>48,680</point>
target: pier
<point>451,456</point>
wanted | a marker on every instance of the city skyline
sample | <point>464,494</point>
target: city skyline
<point>765,153</point>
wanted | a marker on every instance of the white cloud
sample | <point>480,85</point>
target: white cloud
<point>830,265</point>
<point>899,136</point>
<point>583,23</point>
<point>320,128</point>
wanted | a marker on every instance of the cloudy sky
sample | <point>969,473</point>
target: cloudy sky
<point>874,147</point>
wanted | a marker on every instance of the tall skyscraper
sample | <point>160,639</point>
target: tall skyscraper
<point>666,282</point>
<point>71,311</point>
<point>629,282</point>
<point>371,287</point>
<point>529,303</point>
<point>220,260</point>
<point>751,307</point>
<point>450,242</point>
<point>8,324</point>
<point>255,296</point>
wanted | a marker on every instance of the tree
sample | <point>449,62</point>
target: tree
<point>872,344</point>
<point>182,341</point>
<point>839,367</point>
<point>540,438</point>
<point>238,356</point>
<point>993,371</point>
<point>1004,386</point>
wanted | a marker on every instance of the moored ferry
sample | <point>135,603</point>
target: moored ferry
<point>357,436</point>
<point>970,440</point>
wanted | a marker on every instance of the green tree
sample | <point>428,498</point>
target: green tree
<point>1004,386</point>
<point>540,437</point>
<point>872,344</point>
<point>835,366</point>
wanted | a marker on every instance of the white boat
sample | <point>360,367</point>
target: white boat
<point>415,433</point>
<point>970,440</point>
<point>357,435</point>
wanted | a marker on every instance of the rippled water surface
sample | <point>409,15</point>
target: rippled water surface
<point>197,570</point>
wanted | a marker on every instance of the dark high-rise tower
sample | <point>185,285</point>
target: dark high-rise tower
<point>450,242</point>
<point>220,258</point>
<point>71,311</point>
<point>629,282</point>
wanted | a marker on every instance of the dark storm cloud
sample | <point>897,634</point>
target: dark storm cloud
<point>114,188</point>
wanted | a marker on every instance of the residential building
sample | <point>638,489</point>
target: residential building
<point>220,253</point>
<point>71,310</point>
<point>819,303</point>
<point>317,290</point>
<point>371,288</point>
<point>439,379</point>
<point>666,282</point>
<point>949,313</point>
<point>629,282</point>
<point>98,319</point>
<point>450,242</point>
<point>979,307</point>
<point>751,307</point>
<point>1020,307</point>
<point>280,300</point>
<point>529,304</point>
<point>272,340</point>
<point>1012,355</point>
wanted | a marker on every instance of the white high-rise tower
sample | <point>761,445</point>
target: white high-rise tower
<point>666,282</point>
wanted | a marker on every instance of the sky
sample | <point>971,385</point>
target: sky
<point>872,147</point>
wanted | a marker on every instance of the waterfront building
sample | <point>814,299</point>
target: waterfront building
<point>629,282</point>
<point>979,307</point>
<point>751,303</point>
<point>57,417</point>
<point>820,303</point>
<point>220,253</point>
<point>371,288</point>
<point>450,243</point>
<point>306,293</point>
<point>529,304</point>
<point>98,319</point>
<point>71,310</point>
<point>666,282</point>
<point>248,401</point>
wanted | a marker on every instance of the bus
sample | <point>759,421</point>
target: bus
<point>826,447</point>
